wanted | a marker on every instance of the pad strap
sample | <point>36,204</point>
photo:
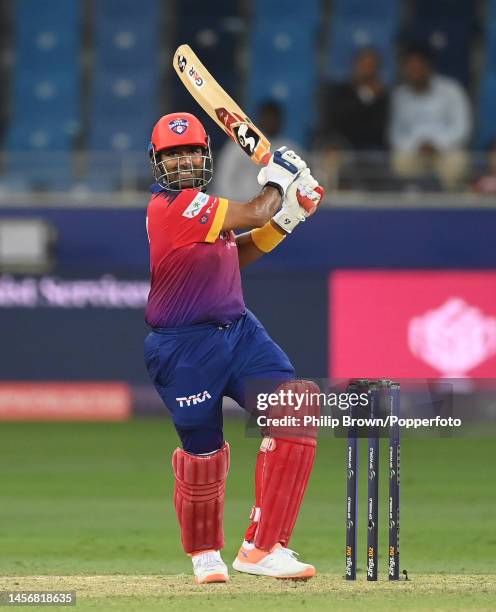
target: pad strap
<point>199,493</point>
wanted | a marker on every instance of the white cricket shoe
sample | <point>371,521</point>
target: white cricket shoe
<point>280,563</point>
<point>209,567</point>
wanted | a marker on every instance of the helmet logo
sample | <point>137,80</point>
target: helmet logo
<point>179,126</point>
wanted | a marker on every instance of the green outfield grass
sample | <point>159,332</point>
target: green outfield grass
<point>84,500</point>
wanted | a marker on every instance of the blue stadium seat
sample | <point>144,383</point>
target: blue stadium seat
<point>446,27</point>
<point>491,13</point>
<point>282,49</point>
<point>122,96</point>
<point>125,84</point>
<point>450,44</point>
<point>123,42</point>
<point>295,11</point>
<point>486,126</point>
<point>358,10</point>
<point>283,62</point>
<point>51,97</point>
<point>490,43</point>
<point>45,90</point>
<point>124,11</point>
<point>130,134</point>
<point>46,77</point>
<point>348,36</point>
<point>445,9</point>
<point>214,31</point>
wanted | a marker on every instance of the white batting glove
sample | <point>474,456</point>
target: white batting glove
<point>302,199</point>
<point>283,167</point>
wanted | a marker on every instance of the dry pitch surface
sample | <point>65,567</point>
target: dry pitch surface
<point>326,591</point>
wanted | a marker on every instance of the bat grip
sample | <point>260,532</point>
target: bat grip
<point>266,158</point>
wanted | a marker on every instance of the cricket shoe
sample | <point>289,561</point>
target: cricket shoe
<point>209,567</point>
<point>279,563</point>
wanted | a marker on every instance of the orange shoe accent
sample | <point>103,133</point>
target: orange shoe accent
<point>213,578</point>
<point>253,555</point>
<point>305,575</point>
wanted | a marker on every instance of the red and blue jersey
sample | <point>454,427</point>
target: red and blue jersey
<point>194,265</point>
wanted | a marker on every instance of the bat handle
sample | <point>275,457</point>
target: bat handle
<point>321,191</point>
<point>266,158</point>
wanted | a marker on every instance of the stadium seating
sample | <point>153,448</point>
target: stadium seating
<point>283,62</point>
<point>45,88</point>
<point>444,9</point>
<point>349,36</point>
<point>446,28</point>
<point>361,9</point>
<point>214,31</point>
<point>486,126</point>
<point>124,100</point>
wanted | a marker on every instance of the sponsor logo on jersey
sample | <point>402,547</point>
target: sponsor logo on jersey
<point>179,126</point>
<point>194,208</point>
<point>203,219</point>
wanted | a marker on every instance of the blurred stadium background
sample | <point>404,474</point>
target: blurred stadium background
<point>393,278</point>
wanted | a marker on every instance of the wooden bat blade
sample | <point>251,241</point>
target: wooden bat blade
<point>219,105</point>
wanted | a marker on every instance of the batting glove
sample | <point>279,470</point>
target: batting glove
<point>283,167</point>
<point>301,201</point>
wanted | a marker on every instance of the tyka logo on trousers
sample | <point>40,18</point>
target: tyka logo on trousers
<point>192,400</point>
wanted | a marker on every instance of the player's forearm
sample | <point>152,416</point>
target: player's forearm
<point>254,213</point>
<point>248,251</point>
<point>264,206</point>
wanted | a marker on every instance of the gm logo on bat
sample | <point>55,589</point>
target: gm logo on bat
<point>195,77</point>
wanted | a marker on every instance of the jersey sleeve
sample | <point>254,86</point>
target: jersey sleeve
<point>197,217</point>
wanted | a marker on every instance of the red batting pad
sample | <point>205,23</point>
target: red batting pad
<point>199,498</point>
<point>281,477</point>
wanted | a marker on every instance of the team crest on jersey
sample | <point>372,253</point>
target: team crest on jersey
<point>179,126</point>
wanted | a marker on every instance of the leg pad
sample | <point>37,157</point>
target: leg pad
<point>199,498</point>
<point>282,473</point>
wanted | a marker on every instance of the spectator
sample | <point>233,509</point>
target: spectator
<point>353,127</point>
<point>236,174</point>
<point>430,123</point>
<point>486,184</point>
<point>355,113</point>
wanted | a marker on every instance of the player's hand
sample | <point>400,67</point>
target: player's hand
<point>301,201</point>
<point>283,167</point>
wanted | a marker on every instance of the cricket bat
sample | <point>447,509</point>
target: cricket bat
<point>230,117</point>
<point>219,105</point>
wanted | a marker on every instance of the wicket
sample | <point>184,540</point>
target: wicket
<point>384,399</point>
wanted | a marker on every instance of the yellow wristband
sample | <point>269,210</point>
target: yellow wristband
<point>266,238</point>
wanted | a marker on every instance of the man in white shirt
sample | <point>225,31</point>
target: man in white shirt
<point>430,123</point>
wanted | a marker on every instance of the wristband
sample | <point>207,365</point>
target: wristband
<point>266,238</point>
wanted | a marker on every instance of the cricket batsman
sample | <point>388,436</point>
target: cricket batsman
<point>205,344</point>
